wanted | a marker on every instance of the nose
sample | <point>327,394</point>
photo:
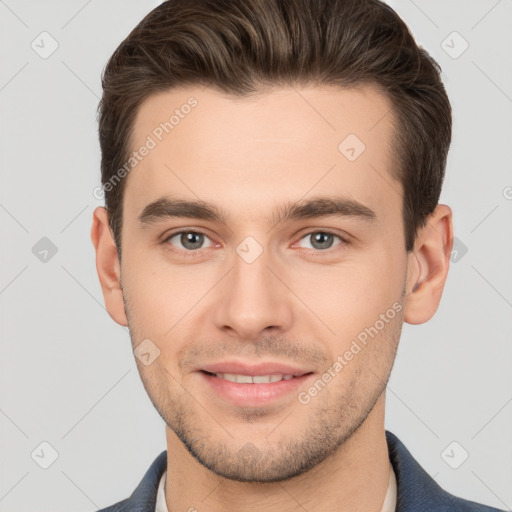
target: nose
<point>253,300</point>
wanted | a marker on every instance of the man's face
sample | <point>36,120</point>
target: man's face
<point>254,294</point>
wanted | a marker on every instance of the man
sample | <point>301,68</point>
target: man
<point>272,171</point>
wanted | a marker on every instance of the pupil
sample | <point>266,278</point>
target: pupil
<point>320,240</point>
<point>192,240</point>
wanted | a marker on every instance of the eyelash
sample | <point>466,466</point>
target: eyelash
<point>197,252</point>
<point>184,252</point>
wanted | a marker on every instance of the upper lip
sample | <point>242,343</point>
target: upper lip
<point>270,368</point>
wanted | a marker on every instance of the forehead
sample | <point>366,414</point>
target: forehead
<point>282,143</point>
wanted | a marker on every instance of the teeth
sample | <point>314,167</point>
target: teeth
<point>243,379</point>
<point>256,379</point>
<point>261,379</point>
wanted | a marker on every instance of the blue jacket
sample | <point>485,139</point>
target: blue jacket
<point>417,490</point>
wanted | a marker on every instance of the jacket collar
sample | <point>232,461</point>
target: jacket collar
<point>416,489</point>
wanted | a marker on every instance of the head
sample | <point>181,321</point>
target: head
<point>272,172</point>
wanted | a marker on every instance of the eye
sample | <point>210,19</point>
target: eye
<point>321,240</point>
<point>189,240</point>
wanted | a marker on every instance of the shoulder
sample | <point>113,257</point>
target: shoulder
<point>456,504</point>
<point>143,498</point>
<point>417,491</point>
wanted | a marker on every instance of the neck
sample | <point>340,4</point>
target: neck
<point>354,477</point>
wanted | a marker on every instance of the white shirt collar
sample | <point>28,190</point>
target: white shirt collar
<point>161,505</point>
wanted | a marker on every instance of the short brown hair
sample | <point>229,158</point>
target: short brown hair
<point>240,47</point>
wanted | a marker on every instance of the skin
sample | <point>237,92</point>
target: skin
<point>297,303</point>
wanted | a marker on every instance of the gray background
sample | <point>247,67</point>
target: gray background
<point>67,373</point>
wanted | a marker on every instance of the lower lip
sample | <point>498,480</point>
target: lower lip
<point>253,395</point>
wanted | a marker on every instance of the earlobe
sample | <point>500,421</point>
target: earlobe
<point>428,266</point>
<point>107,266</point>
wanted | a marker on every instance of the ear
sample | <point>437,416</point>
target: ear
<point>428,266</point>
<point>107,265</point>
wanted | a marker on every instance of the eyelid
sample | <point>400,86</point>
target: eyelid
<point>343,240</point>
<point>179,231</point>
<point>167,236</point>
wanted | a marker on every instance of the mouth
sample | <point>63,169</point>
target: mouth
<point>252,379</point>
<point>253,385</point>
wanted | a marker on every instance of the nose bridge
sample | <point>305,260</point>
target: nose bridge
<point>252,298</point>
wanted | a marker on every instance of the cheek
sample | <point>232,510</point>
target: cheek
<point>148,295</point>
<point>163,299</point>
<point>352,296</point>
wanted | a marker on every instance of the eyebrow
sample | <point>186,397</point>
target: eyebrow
<point>320,206</point>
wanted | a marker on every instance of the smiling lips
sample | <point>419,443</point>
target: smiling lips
<point>262,373</point>
<point>270,381</point>
<point>253,379</point>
